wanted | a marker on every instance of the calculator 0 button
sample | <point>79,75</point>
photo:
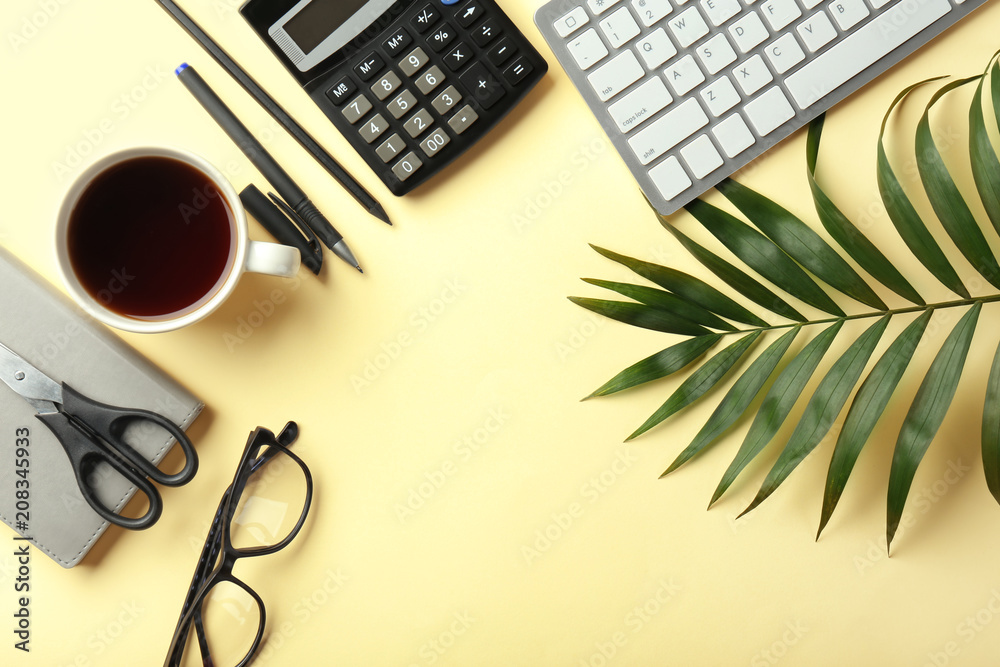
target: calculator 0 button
<point>390,148</point>
<point>418,123</point>
<point>501,52</point>
<point>373,129</point>
<point>469,13</point>
<point>568,24</point>
<point>386,85</point>
<point>397,42</point>
<point>486,89</point>
<point>402,104</point>
<point>515,73</point>
<point>434,142</point>
<point>425,18</point>
<point>413,62</point>
<point>442,36</point>
<point>340,91</point>
<point>446,100</point>
<point>430,80</point>
<point>486,33</point>
<point>407,166</point>
<point>458,57</point>
<point>461,121</point>
<point>369,67</point>
<point>357,108</point>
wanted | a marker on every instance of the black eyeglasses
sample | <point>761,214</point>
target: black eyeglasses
<point>260,513</point>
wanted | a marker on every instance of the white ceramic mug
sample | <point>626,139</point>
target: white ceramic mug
<point>244,255</point>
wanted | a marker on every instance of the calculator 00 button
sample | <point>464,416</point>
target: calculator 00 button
<point>486,89</point>
<point>407,166</point>
<point>398,41</point>
<point>369,67</point>
<point>486,33</point>
<point>501,52</point>
<point>413,62</point>
<point>434,142</point>
<point>442,36</point>
<point>390,148</point>
<point>461,121</point>
<point>357,108</point>
<point>458,57</point>
<point>516,72</point>
<point>425,18</point>
<point>446,100</point>
<point>340,91</point>
<point>373,129</point>
<point>402,104</point>
<point>430,80</point>
<point>418,123</point>
<point>386,85</point>
<point>469,13</point>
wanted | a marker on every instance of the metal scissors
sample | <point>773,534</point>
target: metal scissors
<point>91,433</point>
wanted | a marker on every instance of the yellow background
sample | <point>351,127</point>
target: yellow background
<point>461,316</point>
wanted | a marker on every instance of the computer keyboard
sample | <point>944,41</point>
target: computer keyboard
<point>689,91</point>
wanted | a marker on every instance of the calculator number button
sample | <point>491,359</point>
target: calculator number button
<point>402,104</point>
<point>425,18</point>
<point>501,52</point>
<point>357,108</point>
<point>430,80</point>
<point>441,37</point>
<point>340,91</point>
<point>469,13</point>
<point>418,123</point>
<point>482,85</point>
<point>459,57</point>
<point>437,140</point>
<point>461,121</point>
<point>386,85</point>
<point>390,148</point>
<point>570,23</point>
<point>373,129</point>
<point>515,73</point>
<point>486,33</point>
<point>446,100</point>
<point>397,42</point>
<point>369,67</point>
<point>407,166</point>
<point>413,62</point>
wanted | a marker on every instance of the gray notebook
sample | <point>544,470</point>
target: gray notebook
<point>49,331</point>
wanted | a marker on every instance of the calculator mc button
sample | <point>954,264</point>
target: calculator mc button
<point>340,91</point>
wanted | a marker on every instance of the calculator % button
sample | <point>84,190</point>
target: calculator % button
<point>441,37</point>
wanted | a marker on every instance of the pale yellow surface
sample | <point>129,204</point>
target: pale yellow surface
<point>460,329</point>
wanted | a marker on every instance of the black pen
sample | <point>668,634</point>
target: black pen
<point>291,193</point>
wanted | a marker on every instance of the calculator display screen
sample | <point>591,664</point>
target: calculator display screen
<point>318,20</point>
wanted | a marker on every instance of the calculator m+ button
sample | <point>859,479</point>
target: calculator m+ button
<point>369,67</point>
<point>397,42</point>
<point>413,62</point>
<point>425,18</point>
<point>481,84</point>
<point>469,13</point>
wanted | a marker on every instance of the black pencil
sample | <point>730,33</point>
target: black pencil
<point>273,108</point>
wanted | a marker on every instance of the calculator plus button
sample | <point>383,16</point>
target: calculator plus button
<point>461,121</point>
<point>486,33</point>
<point>442,36</point>
<point>357,108</point>
<point>407,166</point>
<point>469,13</point>
<point>446,100</point>
<point>425,18</point>
<point>402,104</point>
<point>486,89</point>
<point>418,123</point>
<point>413,62</point>
<point>386,85</point>
<point>397,42</point>
<point>568,24</point>
<point>515,73</point>
<point>459,57</point>
<point>340,91</point>
<point>390,148</point>
<point>369,67</point>
<point>434,142</point>
<point>501,52</point>
<point>430,80</point>
<point>373,129</point>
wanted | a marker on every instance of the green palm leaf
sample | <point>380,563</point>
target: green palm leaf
<point>985,165</point>
<point>991,430</point>
<point>660,365</point>
<point>641,315</point>
<point>665,301</point>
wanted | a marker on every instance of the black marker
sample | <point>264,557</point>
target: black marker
<point>272,171</point>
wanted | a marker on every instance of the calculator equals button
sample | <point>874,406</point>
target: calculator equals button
<point>515,73</point>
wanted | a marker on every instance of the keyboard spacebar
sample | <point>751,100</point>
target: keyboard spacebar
<point>857,51</point>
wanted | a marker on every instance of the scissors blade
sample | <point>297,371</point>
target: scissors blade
<point>34,386</point>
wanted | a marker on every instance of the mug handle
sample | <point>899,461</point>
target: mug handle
<point>273,259</point>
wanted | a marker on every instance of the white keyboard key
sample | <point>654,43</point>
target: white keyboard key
<point>568,24</point>
<point>598,7</point>
<point>809,4</point>
<point>701,157</point>
<point>848,13</point>
<point>656,49</point>
<point>587,49</point>
<point>684,75</point>
<point>879,4</point>
<point>640,105</point>
<point>733,135</point>
<point>769,111</point>
<point>779,13</point>
<point>720,96</point>
<point>720,11</point>
<point>667,131</point>
<point>784,53</point>
<point>621,72</point>
<point>748,32</point>
<point>619,27</point>
<point>857,51</point>
<point>752,75</point>
<point>816,32</point>
<point>688,27</point>
<point>669,178</point>
<point>716,53</point>
<point>651,11</point>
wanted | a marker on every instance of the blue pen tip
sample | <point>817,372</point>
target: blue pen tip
<point>180,69</point>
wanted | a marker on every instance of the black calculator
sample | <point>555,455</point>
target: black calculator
<point>411,83</point>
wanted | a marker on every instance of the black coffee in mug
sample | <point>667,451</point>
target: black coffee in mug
<point>150,237</point>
